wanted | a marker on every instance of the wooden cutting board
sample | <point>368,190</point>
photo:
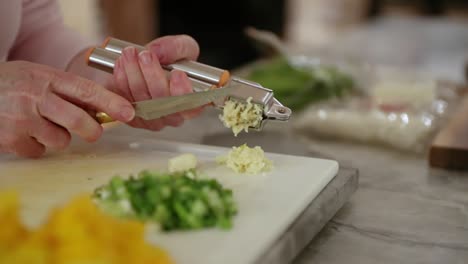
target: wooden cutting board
<point>449,150</point>
<point>268,203</point>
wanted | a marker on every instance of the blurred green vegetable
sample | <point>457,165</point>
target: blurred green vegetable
<point>174,201</point>
<point>297,87</point>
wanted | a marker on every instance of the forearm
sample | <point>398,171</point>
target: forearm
<point>44,38</point>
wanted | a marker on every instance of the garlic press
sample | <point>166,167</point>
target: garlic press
<point>203,78</point>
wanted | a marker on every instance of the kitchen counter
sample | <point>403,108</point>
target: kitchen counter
<point>402,212</point>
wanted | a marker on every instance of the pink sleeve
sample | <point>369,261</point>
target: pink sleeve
<point>43,36</point>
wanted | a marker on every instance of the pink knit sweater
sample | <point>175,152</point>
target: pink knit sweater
<point>33,30</point>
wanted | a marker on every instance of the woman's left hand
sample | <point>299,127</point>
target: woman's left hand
<point>139,76</point>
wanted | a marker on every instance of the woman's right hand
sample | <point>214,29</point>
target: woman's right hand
<point>41,106</point>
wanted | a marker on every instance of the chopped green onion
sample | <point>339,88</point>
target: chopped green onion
<point>175,201</point>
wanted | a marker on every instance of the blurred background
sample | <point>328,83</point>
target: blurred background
<point>428,34</point>
<point>398,68</point>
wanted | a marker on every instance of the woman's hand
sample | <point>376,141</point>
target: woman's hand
<point>139,76</point>
<point>40,106</point>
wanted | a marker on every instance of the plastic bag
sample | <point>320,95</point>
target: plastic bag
<point>399,110</point>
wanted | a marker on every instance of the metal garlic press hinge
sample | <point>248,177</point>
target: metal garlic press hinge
<point>203,77</point>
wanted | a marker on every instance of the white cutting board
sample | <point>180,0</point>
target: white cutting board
<point>268,203</point>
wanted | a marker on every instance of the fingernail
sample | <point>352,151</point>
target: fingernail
<point>127,113</point>
<point>145,57</point>
<point>129,53</point>
<point>157,50</point>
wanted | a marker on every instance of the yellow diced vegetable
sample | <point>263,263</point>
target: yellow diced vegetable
<point>77,233</point>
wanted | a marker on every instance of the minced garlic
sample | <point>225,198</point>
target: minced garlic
<point>240,116</point>
<point>183,162</point>
<point>248,160</point>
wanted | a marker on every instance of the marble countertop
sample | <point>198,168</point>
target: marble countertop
<point>402,212</point>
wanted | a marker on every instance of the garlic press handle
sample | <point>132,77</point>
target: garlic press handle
<point>203,77</point>
<point>104,60</point>
<point>193,69</point>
